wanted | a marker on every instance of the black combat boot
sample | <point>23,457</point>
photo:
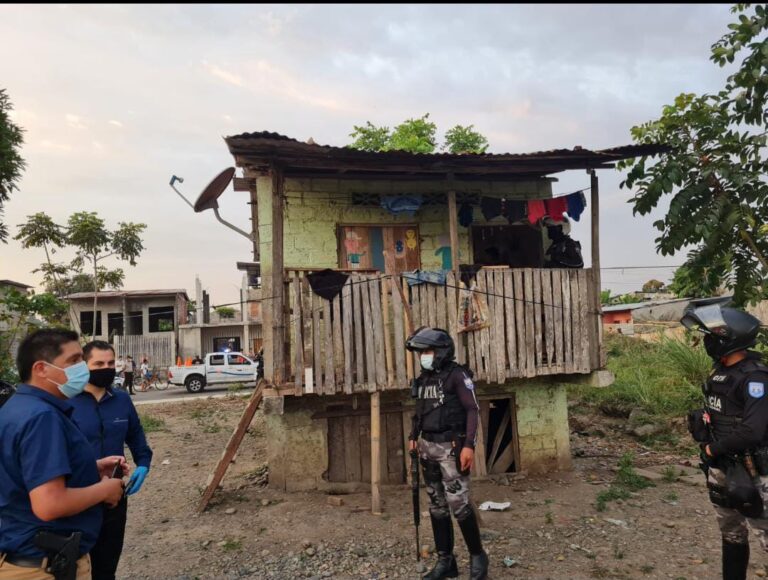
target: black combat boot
<point>735,561</point>
<point>445,567</point>
<point>478,559</point>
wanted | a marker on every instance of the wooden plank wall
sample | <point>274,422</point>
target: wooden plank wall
<point>541,322</point>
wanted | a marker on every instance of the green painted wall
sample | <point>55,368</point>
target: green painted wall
<point>542,426</point>
<point>315,207</point>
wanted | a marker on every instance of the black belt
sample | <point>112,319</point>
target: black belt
<point>24,561</point>
<point>444,437</point>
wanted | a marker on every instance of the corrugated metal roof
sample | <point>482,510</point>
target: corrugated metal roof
<point>264,147</point>
<point>636,305</point>
<point>128,294</point>
<point>12,283</point>
<point>624,151</point>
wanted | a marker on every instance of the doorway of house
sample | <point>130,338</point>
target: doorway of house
<point>516,246</point>
<point>501,447</point>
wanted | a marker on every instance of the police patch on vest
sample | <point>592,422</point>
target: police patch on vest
<point>756,390</point>
<point>715,403</point>
<point>469,384</point>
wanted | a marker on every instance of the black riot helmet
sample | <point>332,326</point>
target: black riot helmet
<point>437,339</point>
<point>727,330</point>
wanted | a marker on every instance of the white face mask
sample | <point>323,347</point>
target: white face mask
<point>426,361</point>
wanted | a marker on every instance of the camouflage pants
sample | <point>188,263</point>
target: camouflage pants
<point>446,487</point>
<point>733,525</point>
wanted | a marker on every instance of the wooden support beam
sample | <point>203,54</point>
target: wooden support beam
<point>596,277</point>
<point>595,208</point>
<point>376,453</point>
<point>453,225</point>
<point>232,446</point>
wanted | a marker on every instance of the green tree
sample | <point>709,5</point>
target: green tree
<point>714,171</point>
<point>465,140</point>
<point>686,284</point>
<point>18,312</point>
<point>225,312</point>
<point>370,137</point>
<point>40,231</point>
<point>653,286</point>
<point>414,135</point>
<point>11,162</point>
<point>605,297</point>
<point>417,136</point>
<point>94,243</point>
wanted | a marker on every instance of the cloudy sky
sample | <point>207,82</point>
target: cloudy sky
<point>116,99</point>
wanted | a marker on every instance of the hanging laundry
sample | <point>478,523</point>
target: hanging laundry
<point>405,204</point>
<point>425,277</point>
<point>576,204</point>
<point>327,283</point>
<point>514,210</point>
<point>556,207</point>
<point>536,210</point>
<point>466,215</point>
<point>491,207</point>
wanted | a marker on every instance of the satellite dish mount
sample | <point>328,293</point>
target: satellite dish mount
<point>209,198</point>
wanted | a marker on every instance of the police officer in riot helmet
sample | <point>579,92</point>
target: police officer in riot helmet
<point>731,428</point>
<point>444,428</point>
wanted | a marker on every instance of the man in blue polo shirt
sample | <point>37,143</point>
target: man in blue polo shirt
<point>49,477</point>
<point>109,421</point>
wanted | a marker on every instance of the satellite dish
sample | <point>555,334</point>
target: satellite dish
<point>208,199</point>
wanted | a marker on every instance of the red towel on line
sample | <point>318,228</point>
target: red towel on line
<point>556,207</point>
<point>536,210</point>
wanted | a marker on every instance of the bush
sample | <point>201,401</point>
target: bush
<point>662,379</point>
<point>150,423</point>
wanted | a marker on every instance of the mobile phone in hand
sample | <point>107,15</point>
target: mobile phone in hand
<point>117,471</point>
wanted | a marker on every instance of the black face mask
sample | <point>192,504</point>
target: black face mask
<point>102,377</point>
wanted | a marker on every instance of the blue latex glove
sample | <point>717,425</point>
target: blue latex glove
<point>136,480</point>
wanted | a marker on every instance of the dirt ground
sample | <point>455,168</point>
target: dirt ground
<point>553,529</point>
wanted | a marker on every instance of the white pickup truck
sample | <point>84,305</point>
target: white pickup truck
<point>218,368</point>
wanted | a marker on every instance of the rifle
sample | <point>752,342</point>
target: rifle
<point>415,489</point>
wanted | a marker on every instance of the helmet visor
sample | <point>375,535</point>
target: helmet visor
<point>707,319</point>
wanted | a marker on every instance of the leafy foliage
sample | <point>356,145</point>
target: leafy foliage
<point>417,136</point>
<point>714,171</point>
<point>85,233</point>
<point>653,286</point>
<point>225,312</point>
<point>465,140</point>
<point>18,313</point>
<point>11,162</point>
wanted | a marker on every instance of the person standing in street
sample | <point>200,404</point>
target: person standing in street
<point>443,431</point>
<point>109,421</point>
<point>128,372</point>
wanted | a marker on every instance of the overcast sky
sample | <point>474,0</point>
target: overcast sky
<point>116,99</point>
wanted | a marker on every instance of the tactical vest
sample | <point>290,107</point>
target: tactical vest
<point>724,394</point>
<point>439,408</point>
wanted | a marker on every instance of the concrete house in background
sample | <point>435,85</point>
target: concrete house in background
<point>338,407</point>
<point>137,322</point>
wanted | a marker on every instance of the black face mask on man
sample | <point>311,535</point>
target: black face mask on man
<point>102,377</point>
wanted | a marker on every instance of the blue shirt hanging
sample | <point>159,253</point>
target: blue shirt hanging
<point>405,204</point>
<point>576,204</point>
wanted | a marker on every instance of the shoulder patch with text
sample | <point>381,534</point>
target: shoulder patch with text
<point>756,389</point>
<point>468,383</point>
